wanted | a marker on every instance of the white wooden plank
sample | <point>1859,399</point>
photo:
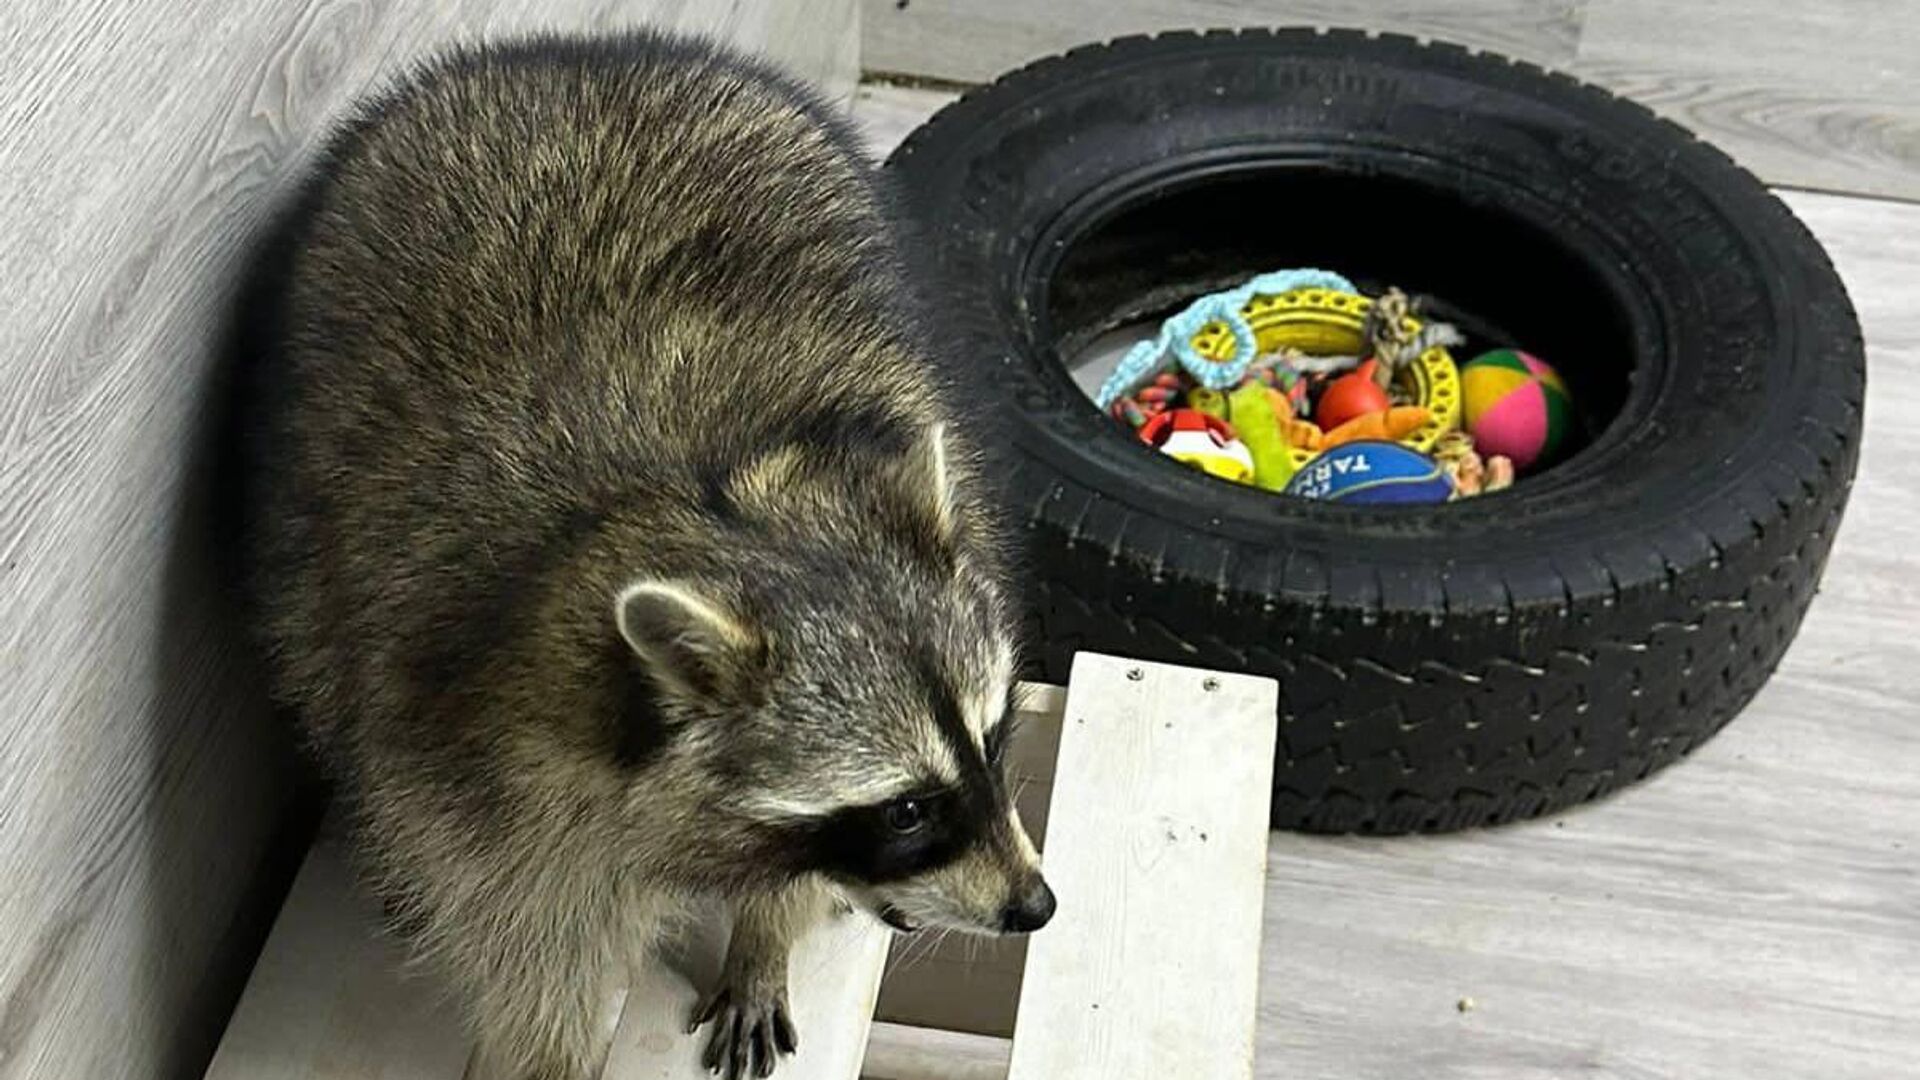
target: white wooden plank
<point>904,1052</point>
<point>328,999</point>
<point>1158,852</point>
<point>1040,702</point>
<point>332,999</point>
<point>833,978</point>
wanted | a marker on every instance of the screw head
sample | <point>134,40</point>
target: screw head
<point>1134,674</point>
<point>1210,684</point>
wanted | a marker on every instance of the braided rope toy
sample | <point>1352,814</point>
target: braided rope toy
<point>1175,342</point>
<point>1388,329</point>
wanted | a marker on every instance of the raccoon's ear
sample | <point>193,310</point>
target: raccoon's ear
<point>692,643</point>
<point>927,477</point>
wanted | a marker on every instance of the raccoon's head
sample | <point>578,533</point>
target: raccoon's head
<point>847,684</point>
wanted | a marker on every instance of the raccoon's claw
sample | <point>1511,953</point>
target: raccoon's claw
<point>705,1009</point>
<point>748,1037</point>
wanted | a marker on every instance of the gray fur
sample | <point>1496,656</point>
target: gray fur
<point>566,320</point>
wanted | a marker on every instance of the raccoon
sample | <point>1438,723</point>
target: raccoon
<point>616,543</point>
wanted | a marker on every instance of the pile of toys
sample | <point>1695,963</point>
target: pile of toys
<point>1296,383</point>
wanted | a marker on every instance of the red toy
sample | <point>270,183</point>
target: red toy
<point>1204,442</point>
<point>1350,395</point>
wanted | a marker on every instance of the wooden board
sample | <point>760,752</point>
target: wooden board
<point>332,999</point>
<point>1809,95</point>
<point>901,1052</point>
<point>1150,968</point>
<point>328,1000</point>
<point>142,781</point>
<point>833,980</point>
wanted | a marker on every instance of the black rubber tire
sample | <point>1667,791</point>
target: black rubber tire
<point>1441,667</point>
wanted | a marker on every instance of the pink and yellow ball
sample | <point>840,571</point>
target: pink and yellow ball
<point>1515,406</point>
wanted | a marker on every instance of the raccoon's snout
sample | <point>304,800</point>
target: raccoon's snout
<point>1029,910</point>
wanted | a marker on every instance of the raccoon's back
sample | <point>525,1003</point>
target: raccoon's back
<point>538,285</point>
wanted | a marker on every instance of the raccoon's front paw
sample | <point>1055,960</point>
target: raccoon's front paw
<point>750,1030</point>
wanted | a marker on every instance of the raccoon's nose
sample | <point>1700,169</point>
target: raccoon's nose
<point>1030,911</point>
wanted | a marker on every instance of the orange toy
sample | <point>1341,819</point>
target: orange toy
<point>1282,402</point>
<point>1302,434</point>
<point>1387,425</point>
<point>1350,395</point>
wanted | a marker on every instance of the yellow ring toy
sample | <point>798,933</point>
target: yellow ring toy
<point>1322,322</point>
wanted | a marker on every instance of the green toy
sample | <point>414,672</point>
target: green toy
<point>1250,409</point>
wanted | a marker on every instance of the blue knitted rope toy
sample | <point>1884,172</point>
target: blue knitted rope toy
<point>1175,342</point>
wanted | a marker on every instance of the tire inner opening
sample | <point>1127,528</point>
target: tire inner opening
<point>1503,280</point>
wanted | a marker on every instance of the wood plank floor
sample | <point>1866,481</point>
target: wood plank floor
<point>1823,95</point>
<point>1752,912</point>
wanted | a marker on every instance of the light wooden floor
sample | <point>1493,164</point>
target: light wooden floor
<point>1822,95</point>
<point>1753,912</point>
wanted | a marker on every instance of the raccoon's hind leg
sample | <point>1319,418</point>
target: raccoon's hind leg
<point>752,1025</point>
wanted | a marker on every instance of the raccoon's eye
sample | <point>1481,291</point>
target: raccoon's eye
<point>906,816</point>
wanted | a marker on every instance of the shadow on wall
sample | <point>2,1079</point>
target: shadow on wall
<point>208,661</point>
